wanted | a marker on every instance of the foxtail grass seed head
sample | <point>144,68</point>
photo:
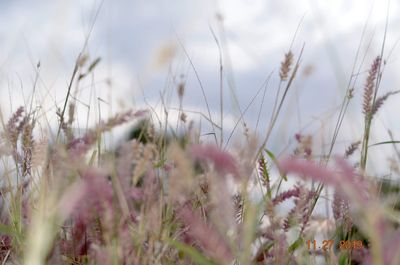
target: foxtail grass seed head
<point>350,93</point>
<point>380,101</point>
<point>286,66</point>
<point>71,113</point>
<point>183,117</point>
<point>352,148</point>
<point>14,126</point>
<point>181,90</point>
<point>83,59</point>
<point>369,86</point>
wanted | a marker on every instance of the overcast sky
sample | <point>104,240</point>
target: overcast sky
<point>143,46</point>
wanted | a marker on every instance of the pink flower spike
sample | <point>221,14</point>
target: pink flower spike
<point>223,162</point>
<point>71,199</point>
<point>209,238</point>
<point>345,179</point>
<point>308,170</point>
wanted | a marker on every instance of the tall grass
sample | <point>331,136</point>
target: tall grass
<point>165,196</point>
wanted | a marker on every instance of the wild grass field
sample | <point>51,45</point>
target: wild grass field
<point>173,190</point>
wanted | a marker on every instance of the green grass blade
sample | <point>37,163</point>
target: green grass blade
<point>273,158</point>
<point>195,255</point>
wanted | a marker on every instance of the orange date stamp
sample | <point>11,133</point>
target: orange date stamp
<point>327,245</point>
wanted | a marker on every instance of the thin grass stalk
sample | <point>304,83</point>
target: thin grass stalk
<point>221,88</point>
<point>371,88</point>
<point>201,87</point>
<point>243,113</point>
<point>265,85</point>
<point>289,84</point>
<point>343,109</point>
<point>364,152</point>
<point>74,72</point>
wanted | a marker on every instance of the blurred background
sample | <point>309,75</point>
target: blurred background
<point>147,48</point>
